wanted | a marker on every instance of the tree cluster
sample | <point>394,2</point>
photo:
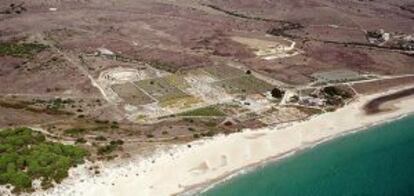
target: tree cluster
<point>26,155</point>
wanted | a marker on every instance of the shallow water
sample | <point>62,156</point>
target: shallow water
<point>377,162</point>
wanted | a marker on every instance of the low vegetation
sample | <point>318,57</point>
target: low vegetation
<point>75,131</point>
<point>164,66</point>
<point>206,111</point>
<point>337,91</point>
<point>24,50</point>
<point>58,103</point>
<point>26,155</point>
<point>51,109</point>
<point>109,148</point>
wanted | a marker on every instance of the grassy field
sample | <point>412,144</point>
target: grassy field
<point>182,103</point>
<point>26,155</point>
<point>244,85</point>
<point>131,94</point>
<point>25,50</point>
<point>164,66</point>
<point>206,111</point>
<point>161,89</point>
<point>177,80</point>
<point>223,72</point>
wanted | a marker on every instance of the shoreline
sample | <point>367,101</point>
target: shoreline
<point>203,187</point>
<point>182,170</point>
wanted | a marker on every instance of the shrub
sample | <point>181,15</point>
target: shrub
<point>109,148</point>
<point>277,93</point>
<point>117,142</point>
<point>100,138</point>
<point>106,149</point>
<point>208,134</point>
<point>80,140</point>
<point>74,131</point>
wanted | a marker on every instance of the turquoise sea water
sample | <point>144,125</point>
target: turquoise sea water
<point>369,163</point>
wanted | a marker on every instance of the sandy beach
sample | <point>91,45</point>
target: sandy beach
<point>201,163</point>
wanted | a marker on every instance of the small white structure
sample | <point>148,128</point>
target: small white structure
<point>386,36</point>
<point>333,26</point>
<point>104,51</point>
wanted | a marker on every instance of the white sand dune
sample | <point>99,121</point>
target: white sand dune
<point>172,172</point>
